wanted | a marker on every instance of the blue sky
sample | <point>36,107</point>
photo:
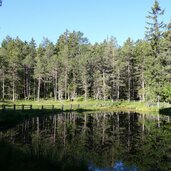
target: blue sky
<point>97,19</point>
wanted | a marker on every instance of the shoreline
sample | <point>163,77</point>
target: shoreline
<point>90,105</point>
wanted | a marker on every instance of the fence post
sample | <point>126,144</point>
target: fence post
<point>71,107</point>
<point>30,107</point>
<point>62,107</point>
<point>22,107</point>
<point>42,107</point>
<point>14,107</point>
<point>3,107</point>
<point>52,107</point>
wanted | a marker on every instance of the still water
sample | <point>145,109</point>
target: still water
<point>106,141</point>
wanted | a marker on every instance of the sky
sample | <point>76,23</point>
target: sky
<point>97,19</point>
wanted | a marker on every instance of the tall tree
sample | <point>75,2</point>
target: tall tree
<point>128,58</point>
<point>154,34</point>
<point>154,30</point>
<point>3,70</point>
<point>39,69</point>
<point>142,51</point>
<point>29,53</point>
<point>15,57</point>
<point>166,60</point>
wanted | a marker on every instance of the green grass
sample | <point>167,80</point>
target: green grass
<point>9,117</point>
<point>89,105</point>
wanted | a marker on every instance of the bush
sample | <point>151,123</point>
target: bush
<point>80,99</point>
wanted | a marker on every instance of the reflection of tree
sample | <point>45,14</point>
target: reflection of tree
<point>103,138</point>
<point>54,129</point>
<point>155,151</point>
<point>37,126</point>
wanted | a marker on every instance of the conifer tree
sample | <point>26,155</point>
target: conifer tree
<point>3,71</point>
<point>154,35</point>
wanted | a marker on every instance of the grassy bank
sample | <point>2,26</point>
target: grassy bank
<point>9,117</point>
<point>91,105</point>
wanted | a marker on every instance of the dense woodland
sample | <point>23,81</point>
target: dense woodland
<point>73,67</point>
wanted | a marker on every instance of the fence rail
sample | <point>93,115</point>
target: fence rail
<point>39,107</point>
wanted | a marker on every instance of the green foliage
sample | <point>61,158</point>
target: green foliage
<point>166,92</point>
<point>73,67</point>
<point>80,99</point>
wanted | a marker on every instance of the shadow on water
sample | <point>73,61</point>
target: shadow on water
<point>100,141</point>
<point>165,111</point>
<point>36,159</point>
<point>9,118</point>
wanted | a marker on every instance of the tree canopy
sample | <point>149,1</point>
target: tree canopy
<point>73,67</point>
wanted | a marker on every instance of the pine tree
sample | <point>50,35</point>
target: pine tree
<point>15,70</point>
<point>166,56</point>
<point>3,71</point>
<point>154,35</point>
<point>155,27</point>
<point>142,52</point>
<point>39,69</point>
<point>128,58</point>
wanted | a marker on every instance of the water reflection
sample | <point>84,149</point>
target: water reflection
<point>118,166</point>
<point>107,141</point>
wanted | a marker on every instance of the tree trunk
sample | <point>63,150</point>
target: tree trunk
<point>68,93</point>
<point>118,84</point>
<point>85,92</point>
<point>38,89</point>
<point>104,86</point>
<point>24,88</point>
<point>143,87</point>
<point>3,86</point>
<point>26,83</point>
<point>55,92</point>
<point>44,89</point>
<point>85,88</point>
<point>143,125</point>
<point>55,86</point>
<point>29,73</point>
<point>75,87</point>
<point>29,88</point>
<point>66,83</point>
<point>129,84</point>
<point>34,90</point>
<point>60,94</point>
<point>13,87</point>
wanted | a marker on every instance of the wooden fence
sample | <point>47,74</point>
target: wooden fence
<point>39,107</point>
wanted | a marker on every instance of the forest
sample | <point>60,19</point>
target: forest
<point>73,67</point>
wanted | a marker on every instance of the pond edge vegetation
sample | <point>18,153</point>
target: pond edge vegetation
<point>20,110</point>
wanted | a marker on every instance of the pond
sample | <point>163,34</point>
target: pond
<point>102,141</point>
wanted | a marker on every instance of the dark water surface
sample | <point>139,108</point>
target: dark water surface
<point>105,141</point>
